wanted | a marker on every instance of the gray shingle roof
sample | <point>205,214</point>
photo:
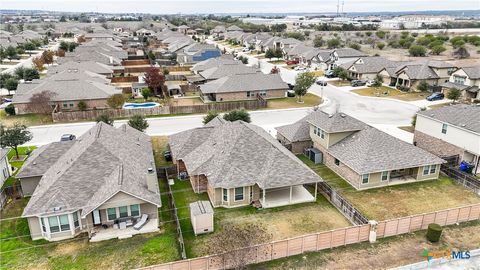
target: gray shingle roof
<point>215,62</point>
<point>244,82</point>
<point>371,150</point>
<point>296,132</point>
<point>227,70</point>
<point>91,66</point>
<point>460,115</point>
<point>338,122</point>
<point>235,154</point>
<point>101,163</point>
<point>349,52</point>
<point>200,208</point>
<point>472,72</point>
<point>422,69</point>
<point>43,158</point>
<point>372,64</point>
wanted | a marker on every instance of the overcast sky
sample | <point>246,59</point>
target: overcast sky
<point>238,6</point>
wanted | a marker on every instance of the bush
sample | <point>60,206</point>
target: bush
<point>138,122</point>
<point>116,101</point>
<point>105,118</point>
<point>333,43</point>
<point>10,109</point>
<point>380,45</point>
<point>82,106</point>
<point>209,117</point>
<point>417,50</point>
<point>237,115</point>
<point>355,46</point>
<point>434,232</point>
<point>423,86</point>
<point>436,50</point>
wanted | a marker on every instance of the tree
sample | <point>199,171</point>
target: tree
<point>47,57</point>
<point>10,109</point>
<point>116,101</point>
<point>234,243</point>
<point>63,46</point>
<point>39,63</point>
<point>380,34</point>
<point>355,46</point>
<point>151,56</point>
<point>423,86</point>
<point>461,53</point>
<point>10,52</point>
<point>105,118</point>
<point>3,79</point>
<point>82,105</point>
<point>380,45</point>
<point>29,46</point>
<point>14,136</point>
<point>438,49</point>
<point>454,94</point>
<point>417,50</point>
<point>269,53</point>
<point>138,122</point>
<point>155,80</point>
<point>41,102</point>
<point>318,42</point>
<point>209,117</point>
<point>303,81</point>
<point>378,81</point>
<point>11,84</point>
<point>146,93</point>
<point>237,115</point>
<point>71,46</point>
<point>26,74</point>
<point>333,43</point>
<point>341,73</point>
<point>243,59</point>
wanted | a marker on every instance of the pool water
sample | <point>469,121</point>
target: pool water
<point>140,105</point>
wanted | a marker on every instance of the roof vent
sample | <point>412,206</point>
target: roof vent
<point>34,163</point>
<point>464,125</point>
<point>57,208</point>
<point>343,115</point>
<point>330,115</point>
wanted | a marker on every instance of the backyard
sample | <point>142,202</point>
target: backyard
<point>22,151</point>
<point>400,200</point>
<point>389,92</point>
<point>309,100</point>
<point>159,144</point>
<point>25,119</point>
<point>281,222</point>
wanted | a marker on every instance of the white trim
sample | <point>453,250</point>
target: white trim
<point>368,179</point>
<point>235,194</point>
<point>388,176</point>
<point>223,195</point>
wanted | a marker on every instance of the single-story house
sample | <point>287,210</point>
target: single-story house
<point>225,59</point>
<point>239,164</point>
<point>227,69</point>
<point>197,52</point>
<point>90,66</point>
<point>362,155</point>
<point>367,68</point>
<point>244,87</point>
<point>102,184</point>
<point>431,71</point>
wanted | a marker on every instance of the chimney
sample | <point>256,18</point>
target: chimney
<point>152,180</point>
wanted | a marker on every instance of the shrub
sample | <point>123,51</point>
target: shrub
<point>10,109</point>
<point>436,50</point>
<point>423,86</point>
<point>355,46</point>
<point>138,122</point>
<point>381,45</point>
<point>237,115</point>
<point>333,43</point>
<point>209,117</point>
<point>105,118</point>
<point>434,232</point>
<point>82,105</point>
<point>116,101</point>
<point>417,50</point>
<point>146,93</point>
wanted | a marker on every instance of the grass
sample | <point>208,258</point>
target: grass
<point>186,101</point>
<point>410,129</point>
<point>277,62</point>
<point>281,222</point>
<point>309,100</point>
<point>25,119</point>
<point>22,151</point>
<point>399,200</point>
<point>436,106</point>
<point>317,73</point>
<point>159,144</point>
<point>388,92</point>
<point>340,83</point>
<point>407,249</point>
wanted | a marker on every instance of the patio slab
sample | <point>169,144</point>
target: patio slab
<point>111,233</point>
<point>281,196</point>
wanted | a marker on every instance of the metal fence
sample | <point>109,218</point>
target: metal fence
<point>345,207</point>
<point>462,178</point>
<point>10,193</point>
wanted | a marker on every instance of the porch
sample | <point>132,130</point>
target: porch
<point>100,233</point>
<point>282,196</point>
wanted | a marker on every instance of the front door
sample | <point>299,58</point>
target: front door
<point>96,218</point>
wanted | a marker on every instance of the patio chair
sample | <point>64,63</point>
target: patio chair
<point>123,225</point>
<point>141,223</point>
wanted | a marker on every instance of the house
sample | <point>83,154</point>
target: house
<point>431,71</point>
<point>183,29</point>
<point>450,131</point>
<point>234,28</point>
<point>90,66</point>
<point>104,178</point>
<point>197,52</point>
<point>246,86</point>
<point>467,80</point>
<point>238,164</point>
<point>99,36</point>
<point>343,55</point>
<point>218,31</point>
<point>226,69</point>
<point>362,155</point>
<point>67,89</point>
<point>225,59</point>
<point>367,68</point>
<point>4,166</point>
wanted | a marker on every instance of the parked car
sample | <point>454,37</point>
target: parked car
<point>321,82</point>
<point>167,155</point>
<point>300,68</point>
<point>67,137</point>
<point>290,93</point>
<point>356,83</point>
<point>245,50</point>
<point>330,74</point>
<point>370,83</point>
<point>290,86</point>
<point>291,62</point>
<point>435,96</point>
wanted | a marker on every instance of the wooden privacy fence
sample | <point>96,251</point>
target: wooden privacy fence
<point>176,68</point>
<point>326,240</point>
<point>171,109</point>
<point>124,79</point>
<point>135,62</point>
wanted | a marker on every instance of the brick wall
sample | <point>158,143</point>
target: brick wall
<point>243,95</point>
<point>199,183</point>
<point>436,146</point>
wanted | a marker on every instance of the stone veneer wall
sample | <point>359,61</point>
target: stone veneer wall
<point>436,146</point>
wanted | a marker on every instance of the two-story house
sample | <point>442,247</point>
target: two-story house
<point>361,154</point>
<point>467,80</point>
<point>449,131</point>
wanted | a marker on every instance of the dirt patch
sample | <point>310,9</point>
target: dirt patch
<point>69,248</point>
<point>186,101</point>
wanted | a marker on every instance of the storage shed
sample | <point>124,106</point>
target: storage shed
<point>201,215</point>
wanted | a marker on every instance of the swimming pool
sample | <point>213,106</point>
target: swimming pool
<point>140,105</point>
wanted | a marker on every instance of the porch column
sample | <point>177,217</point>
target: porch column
<point>290,200</point>
<point>72,225</point>
<point>316,186</point>
<point>263,199</point>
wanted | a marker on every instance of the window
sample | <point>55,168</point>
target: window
<point>365,178</point>
<point>250,94</point>
<point>53,223</point>
<point>71,105</point>
<point>337,162</point>
<point>263,93</point>
<point>444,128</point>
<point>123,211</point>
<point>459,79</point>
<point>429,169</point>
<point>44,229</point>
<point>225,195</point>
<point>426,169</point>
<point>134,210</point>
<point>111,213</point>
<point>433,169</point>
<point>385,176</point>
<point>65,105</point>
<point>321,133</point>
<point>315,130</point>
<point>239,194</point>
<point>75,220</point>
<point>64,223</point>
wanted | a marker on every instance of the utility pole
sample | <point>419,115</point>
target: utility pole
<point>338,8</point>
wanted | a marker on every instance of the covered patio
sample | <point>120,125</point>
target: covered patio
<point>276,197</point>
<point>100,234</point>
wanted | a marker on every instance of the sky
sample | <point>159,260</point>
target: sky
<point>238,6</point>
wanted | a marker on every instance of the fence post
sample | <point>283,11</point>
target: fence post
<point>372,237</point>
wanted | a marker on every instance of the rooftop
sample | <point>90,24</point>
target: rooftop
<point>460,115</point>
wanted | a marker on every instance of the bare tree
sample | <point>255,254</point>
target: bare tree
<point>234,240</point>
<point>41,102</point>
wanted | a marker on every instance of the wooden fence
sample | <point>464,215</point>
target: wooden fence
<point>9,193</point>
<point>325,240</point>
<point>135,62</point>
<point>124,79</point>
<point>176,68</point>
<point>171,109</point>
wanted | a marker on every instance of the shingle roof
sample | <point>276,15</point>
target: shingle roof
<point>43,158</point>
<point>422,69</point>
<point>227,70</point>
<point>371,64</point>
<point>81,66</point>
<point>371,150</point>
<point>101,163</point>
<point>349,52</point>
<point>236,154</point>
<point>472,72</point>
<point>244,82</point>
<point>200,208</point>
<point>338,122</point>
<point>460,115</point>
<point>296,132</point>
<point>215,62</point>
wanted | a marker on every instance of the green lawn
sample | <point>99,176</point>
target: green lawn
<point>309,100</point>
<point>399,200</point>
<point>281,222</point>
<point>25,119</point>
<point>159,144</point>
<point>340,83</point>
<point>22,151</point>
<point>389,92</point>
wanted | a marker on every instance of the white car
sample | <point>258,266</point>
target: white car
<point>370,83</point>
<point>246,50</point>
<point>300,68</point>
